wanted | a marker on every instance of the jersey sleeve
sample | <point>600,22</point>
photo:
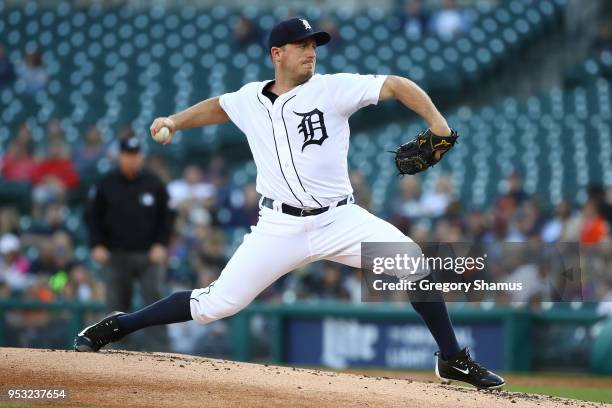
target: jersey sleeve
<point>233,103</point>
<point>351,92</point>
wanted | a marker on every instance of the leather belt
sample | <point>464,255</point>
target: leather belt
<point>297,211</point>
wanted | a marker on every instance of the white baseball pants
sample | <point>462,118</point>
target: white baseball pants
<point>280,243</point>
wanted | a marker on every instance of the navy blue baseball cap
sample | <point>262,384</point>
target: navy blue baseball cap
<point>130,145</point>
<point>294,30</point>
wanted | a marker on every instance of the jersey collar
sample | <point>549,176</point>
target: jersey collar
<point>284,96</point>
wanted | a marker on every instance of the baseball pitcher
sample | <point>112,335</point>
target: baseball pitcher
<point>297,127</point>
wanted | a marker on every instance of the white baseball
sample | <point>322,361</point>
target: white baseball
<point>162,135</point>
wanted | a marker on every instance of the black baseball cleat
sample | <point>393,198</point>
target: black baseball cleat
<point>461,367</point>
<point>96,336</point>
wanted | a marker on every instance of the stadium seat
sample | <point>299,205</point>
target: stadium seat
<point>107,63</point>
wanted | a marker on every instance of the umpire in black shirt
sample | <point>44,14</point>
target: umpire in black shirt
<point>129,225</point>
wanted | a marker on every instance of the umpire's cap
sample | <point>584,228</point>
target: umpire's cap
<point>294,30</point>
<point>130,145</point>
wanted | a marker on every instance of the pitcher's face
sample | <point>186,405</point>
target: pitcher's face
<point>297,59</point>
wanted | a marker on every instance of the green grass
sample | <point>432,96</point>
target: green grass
<point>601,393</point>
<point>595,394</point>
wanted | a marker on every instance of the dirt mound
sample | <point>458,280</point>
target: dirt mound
<point>127,379</point>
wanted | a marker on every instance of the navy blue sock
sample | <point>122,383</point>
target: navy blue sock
<point>171,309</point>
<point>434,314</point>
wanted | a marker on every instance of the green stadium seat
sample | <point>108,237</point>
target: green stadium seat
<point>15,194</point>
<point>477,35</point>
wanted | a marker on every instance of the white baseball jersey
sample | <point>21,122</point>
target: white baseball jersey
<point>300,143</point>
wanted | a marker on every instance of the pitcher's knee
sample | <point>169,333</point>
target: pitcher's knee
<point>209,305</point>
<point>409,262</point>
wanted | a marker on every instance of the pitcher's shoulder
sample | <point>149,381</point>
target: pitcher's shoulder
<point>256,85</point>
<point>251,88</point>
<point>318,80</point>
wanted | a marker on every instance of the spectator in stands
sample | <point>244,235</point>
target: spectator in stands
<point>211,256</point>
<point>533,273</point>
<point>184,337</point>
<point>25,137</point>
<point>33,73</point>
<point>55,259</point>
<point>512,194</point>
<point>560,226</point>
<point>414,20</point>
<point>529,218</point>
<point>158,166</point>
<point>129,224</point>
<point>434,202</point>
<point>87,154</point>
<point>39,291</point>
<point>448,231</point>
<point>449,22</point>
<point>246,32</point>
<point>193,224</point>
<point>515,188</point>
<point>406,208</point>
<point>82,286</point>
<point>206,276</point>
<point>597,193</point>
<point>44,228</point>
<point>603,41</point>
<point>14,267</point>
<point>63,251</point>
<point>328,24</point>
<point>498,231</point>
<point>476,226</point>
<point>57,166</point>
<point>245,208</point>
<point>44,264</point>
<point>53,177</point>
<point>9,220</point>
<point>595,228</point>
<point>18,164</point>
<point>420,232</point>
<point>332,287</point>
<point>217,175</point>
<point>5,291</point>
<point>325,284</point>
<point>55,131</point>
<point>190,187</point>
<point>7,70</point>
<point>194,199</point>
<point>352,284</point>
<point>455,213</point>
<point>361,190</point>
<point>604,294</point>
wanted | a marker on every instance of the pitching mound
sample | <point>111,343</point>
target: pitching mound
<point>127,379</point>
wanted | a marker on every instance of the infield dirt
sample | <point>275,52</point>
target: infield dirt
<point>129,379</point>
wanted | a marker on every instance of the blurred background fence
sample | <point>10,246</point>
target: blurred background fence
<point>341,335</point>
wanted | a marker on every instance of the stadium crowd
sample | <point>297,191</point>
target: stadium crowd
<point>44,253</point>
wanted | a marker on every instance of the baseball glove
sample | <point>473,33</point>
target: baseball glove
<point>419,154</point>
